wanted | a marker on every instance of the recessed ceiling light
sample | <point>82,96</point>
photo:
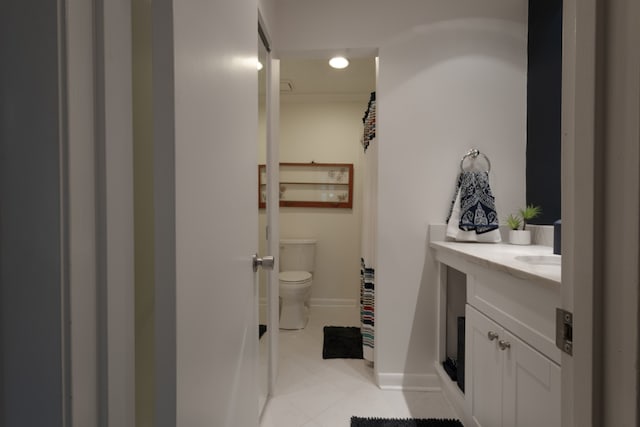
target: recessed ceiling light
<point>339,62</point>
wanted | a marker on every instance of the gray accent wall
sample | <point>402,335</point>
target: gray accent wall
<point>144,212</point>
<point>164,211</point>
<point>31,286</point>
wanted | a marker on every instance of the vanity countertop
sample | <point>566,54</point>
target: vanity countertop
<point>530,262</point>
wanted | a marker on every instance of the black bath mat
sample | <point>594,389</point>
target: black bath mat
<point>342,342</point>
<point>406,422</point>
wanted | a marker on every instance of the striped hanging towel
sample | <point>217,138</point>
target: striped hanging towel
<point>367,309</point>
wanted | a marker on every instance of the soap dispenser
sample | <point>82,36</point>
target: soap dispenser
<point>557,236</point>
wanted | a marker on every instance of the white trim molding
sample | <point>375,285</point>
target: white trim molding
<point>333,302</point>
<point>454,395</point>
<point>408,382</point>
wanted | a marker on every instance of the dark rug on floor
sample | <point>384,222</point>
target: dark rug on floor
<point>406,422</point>
<point>261,330</point>
<point>342,342</point>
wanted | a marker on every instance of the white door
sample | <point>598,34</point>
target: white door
<point>205,127</point>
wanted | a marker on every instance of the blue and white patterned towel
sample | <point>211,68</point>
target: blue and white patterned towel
<point>477,204</point>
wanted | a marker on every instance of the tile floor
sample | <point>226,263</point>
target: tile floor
<point>312,392</point>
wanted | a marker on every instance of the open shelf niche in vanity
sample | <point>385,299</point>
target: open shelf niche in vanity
<point>512,366</point>
<point>454,293</point>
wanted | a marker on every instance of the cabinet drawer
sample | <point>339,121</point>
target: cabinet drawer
<point>525,308</point>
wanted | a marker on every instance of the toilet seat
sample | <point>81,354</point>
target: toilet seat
<point>293,278</point>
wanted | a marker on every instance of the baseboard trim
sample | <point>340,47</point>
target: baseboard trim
<point>409,382</point>
<point>324,302</point>
<point>454,395</point>
<point>332,302</point>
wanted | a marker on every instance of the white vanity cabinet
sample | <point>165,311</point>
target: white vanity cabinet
<point>485,367</point>
<point>511,364</point>
<point>510,384</point>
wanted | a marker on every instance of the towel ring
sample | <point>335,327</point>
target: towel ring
<point>474,153</point>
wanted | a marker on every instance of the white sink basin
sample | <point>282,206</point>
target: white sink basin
<point>540,259</point>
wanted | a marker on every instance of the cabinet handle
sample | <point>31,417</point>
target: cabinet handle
<point>492,335</point>
<point>504,344</point>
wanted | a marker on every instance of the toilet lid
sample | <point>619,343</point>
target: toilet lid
<point>295,276</point>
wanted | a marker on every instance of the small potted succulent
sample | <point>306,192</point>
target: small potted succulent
<point>522,236</point>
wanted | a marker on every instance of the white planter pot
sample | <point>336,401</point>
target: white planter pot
<point>520,237</point>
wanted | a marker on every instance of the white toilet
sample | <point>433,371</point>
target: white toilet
<point>297,262</point>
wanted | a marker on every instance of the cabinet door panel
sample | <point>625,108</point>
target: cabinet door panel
<point>531,387</point>
<point>484,369</point>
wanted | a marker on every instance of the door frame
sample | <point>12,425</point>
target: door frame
<point>581,234</point>
<point>578,196</point>
<point>273,214</point>
<point>98,219</point>
<point>601,193</point>
<point>272,211</point>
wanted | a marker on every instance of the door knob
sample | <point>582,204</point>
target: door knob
<point>266,262</point>
<point>492,335</point>
<point>504,344</point>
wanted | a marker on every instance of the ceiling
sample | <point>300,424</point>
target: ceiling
<point>316,77</point>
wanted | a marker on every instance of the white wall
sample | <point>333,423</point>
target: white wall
<point>325,132</point>
<point>452,75</point>
<point>444,89</point>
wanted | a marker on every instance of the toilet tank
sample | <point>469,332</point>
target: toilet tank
<point>297,255</point>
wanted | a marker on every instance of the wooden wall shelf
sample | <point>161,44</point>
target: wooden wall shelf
<point>311,185</point>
